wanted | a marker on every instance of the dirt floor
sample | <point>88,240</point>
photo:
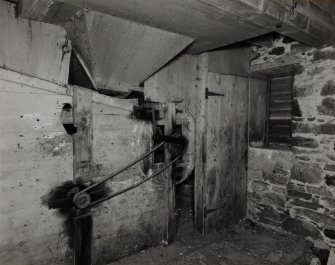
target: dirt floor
<point>241,244</point>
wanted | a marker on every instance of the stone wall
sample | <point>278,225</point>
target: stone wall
<point>294,190</point>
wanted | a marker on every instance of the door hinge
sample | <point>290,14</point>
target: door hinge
<point>209,93</point>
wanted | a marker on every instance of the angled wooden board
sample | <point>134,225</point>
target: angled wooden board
<point>129,52</point>
<point>35,157</point>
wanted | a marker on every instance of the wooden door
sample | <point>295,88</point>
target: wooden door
<point>225,151</point>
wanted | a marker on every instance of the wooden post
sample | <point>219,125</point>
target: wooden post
<point>83,138</point>
<point>200,154</point>
<point>170,228</point>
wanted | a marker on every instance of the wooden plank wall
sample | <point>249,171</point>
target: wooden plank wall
<point>134,220</point>
<point>185,79</point>
<point>33,48</point>
<point>258,101</point>
<point>36,151</point>
<point>36,156</point>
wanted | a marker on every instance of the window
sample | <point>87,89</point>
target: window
<point>280,110</point>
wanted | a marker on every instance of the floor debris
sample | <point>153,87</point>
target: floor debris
<point>241,244</point>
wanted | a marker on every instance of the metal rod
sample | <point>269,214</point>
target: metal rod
<point>85,68</point>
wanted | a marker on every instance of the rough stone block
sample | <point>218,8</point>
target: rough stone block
<point>277,51</point>
<point>274,199</point>
<point>299,92</point>
<point>329,202</point>
<point>301,228</point>
<point>330,180</point>
<point>322,219</point>
<point>328,89</point>
<point>296,187</point>
<point>254,174</point>
<point>327,107</point>
<point>252,196</point>
<point>269,222</point>
<point>306,204</point>
<point>269,212</point>
<point>307,173</point>
<point>303,158</point>
<point>329,167</point>
<point>259,186</point>
<point>296,110</point>
<point>330,233</point>
<point>326,128</point>
<point>323,55</point>
<point>331,157</point>
<point>276,178</point>
<point>300,119</point>
<point>297,194</point>
<point>278,189</point>
<point>304,142</point>
<point>321,191</point>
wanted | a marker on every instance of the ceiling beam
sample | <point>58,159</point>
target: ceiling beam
<point>213,23</point>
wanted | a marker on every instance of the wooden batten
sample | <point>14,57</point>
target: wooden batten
<point>258,97</point>
<point>82,142</point>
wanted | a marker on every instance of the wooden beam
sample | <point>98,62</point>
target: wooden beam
<point>218,21</point>
<point>280,66</point>
<point>202,46</point>
<point>191,18</point>
<point>296,21</point>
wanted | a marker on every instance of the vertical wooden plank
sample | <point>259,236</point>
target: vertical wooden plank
<point>241,148</point>
<point>257,111</point>
<point>186,78</point>
<point>170,192</point>
<point>200,139</point>
<point>82,139</point>
<point>83,239</point>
